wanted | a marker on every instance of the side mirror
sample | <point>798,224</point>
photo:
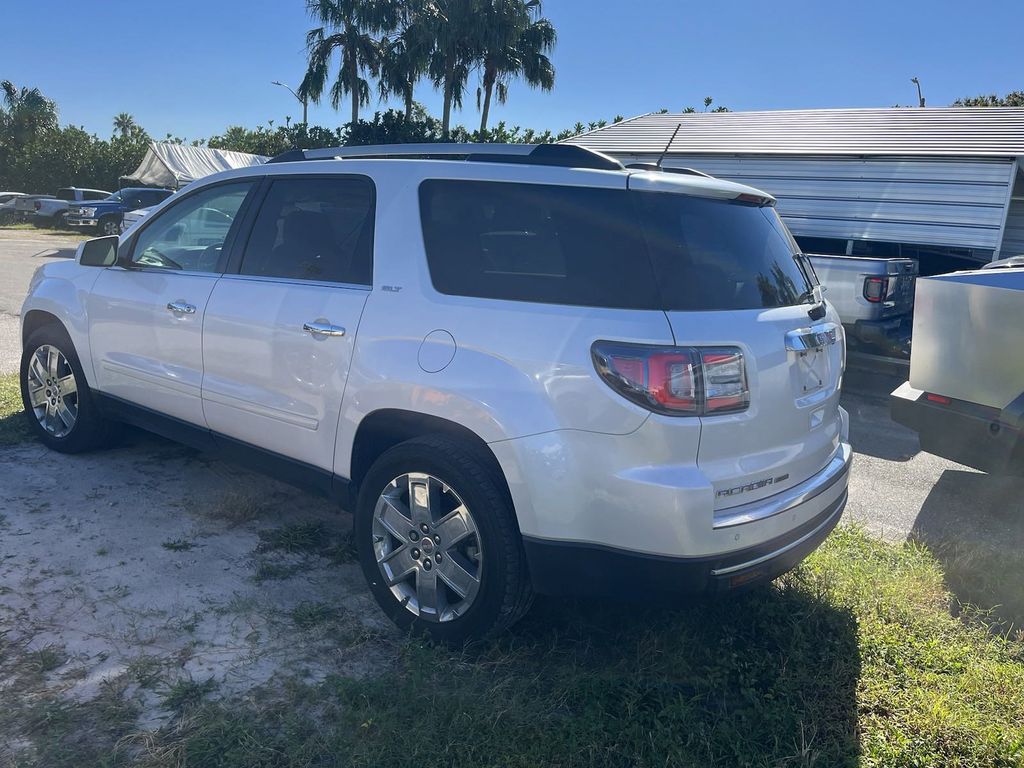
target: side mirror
<point>101,252</point>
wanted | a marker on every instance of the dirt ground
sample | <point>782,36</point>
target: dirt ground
<point>151,564</point>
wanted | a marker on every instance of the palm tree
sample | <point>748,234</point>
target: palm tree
<point>405,57</point>
<point>516,42</point>
<point>348,26</point>
<point>124,124</point>
<point>455,28</point>
<point>27,112</point>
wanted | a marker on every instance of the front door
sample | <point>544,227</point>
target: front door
<point>279,334</point>
<point>146,318</point>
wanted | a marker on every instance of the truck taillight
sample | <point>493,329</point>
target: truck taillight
<point>37,205</point>
<point>678,381</point>
<point>876,289</point>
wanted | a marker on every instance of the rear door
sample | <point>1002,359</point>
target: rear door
<point>730,276</point>
<point>279,334</point>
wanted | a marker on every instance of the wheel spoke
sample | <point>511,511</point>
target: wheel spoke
<point>398,564</point>
<point>51,362</point>
<point>394,518</point>
<point>68,385</point>
<point>461,581</point>
<point>65,414</point>
<point>427,594</point>
<point>423,498</point>
<point>454,527</point>
<point>37,396</point>
<point>38,367</point>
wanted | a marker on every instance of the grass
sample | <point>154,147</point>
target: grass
<point>855,659</point>
<point>860,657</point>
<point>177,545</point>
<point>13,428</point>
<point>47,231</point>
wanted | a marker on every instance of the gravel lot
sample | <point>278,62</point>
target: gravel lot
<point>153,554</point>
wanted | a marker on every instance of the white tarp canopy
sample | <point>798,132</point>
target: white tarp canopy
<point>174,165</point>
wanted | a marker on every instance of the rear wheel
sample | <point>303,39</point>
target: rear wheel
<point>59,405</point>
<point>438,541</point>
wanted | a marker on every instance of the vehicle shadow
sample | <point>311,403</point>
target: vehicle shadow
<point>768,677</point>
<point>872,431</point>
<point>56,253</point>
<point>974,524</point>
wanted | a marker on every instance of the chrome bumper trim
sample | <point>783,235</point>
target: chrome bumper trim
<point>837,469</point>
<point>840,505</point>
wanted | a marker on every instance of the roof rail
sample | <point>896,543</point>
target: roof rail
<point>561,155</point>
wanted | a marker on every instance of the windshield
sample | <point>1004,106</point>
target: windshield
<point>721,255</point>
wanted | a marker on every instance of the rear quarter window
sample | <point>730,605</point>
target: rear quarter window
<point>536,243</point>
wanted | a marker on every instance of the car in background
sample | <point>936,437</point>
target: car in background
<point>874,298</point>
<point>104,216</point>
<point>52,210</point>
<point>7,200</point>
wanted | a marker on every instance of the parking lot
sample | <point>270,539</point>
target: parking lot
<point>157,558</point>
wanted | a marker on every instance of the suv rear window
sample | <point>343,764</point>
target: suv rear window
<point>606,247</point>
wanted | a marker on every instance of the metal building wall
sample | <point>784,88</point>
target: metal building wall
<point>956,202</point>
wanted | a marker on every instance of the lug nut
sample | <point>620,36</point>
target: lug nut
<point>415,554</point>
<point>423,527</point>
<point>427,565</point>
<point>437,557</point>
<point>413,536</point>
<point>437,539</point>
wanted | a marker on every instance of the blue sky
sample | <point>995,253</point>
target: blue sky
<point>193,67</point>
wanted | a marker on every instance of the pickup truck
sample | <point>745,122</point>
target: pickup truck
<point>104,216</point>
<point>873,297</point>
<point>52,210</point>
<point>965,396</point>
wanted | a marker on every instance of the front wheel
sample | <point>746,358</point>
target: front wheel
<point>438,541</point>
<point>109,226</point>
<point>59,405</point>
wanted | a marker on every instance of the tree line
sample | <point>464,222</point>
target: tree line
<point>400,43</point>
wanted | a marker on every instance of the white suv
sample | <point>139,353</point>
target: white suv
<point>524,369</point>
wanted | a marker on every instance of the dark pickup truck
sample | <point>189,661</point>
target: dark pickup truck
<point>104,216</point>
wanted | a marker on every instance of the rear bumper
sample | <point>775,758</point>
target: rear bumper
<point>891,335</point>
<point>975,435</point>
<point>560,568</point>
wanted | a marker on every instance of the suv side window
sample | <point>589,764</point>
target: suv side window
<point>190,235</point>
<point>314,229</point>
<point>535,242</point>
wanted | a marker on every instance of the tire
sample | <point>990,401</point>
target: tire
<point>49,419</point>
<point>108,225</point>
<point>492,552</point>
<point>42,222</point>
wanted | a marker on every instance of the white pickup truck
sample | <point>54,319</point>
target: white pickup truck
<point>51,210</point>
<point>874,298</point>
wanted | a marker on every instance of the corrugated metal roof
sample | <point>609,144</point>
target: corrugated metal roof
<point>945,131</point>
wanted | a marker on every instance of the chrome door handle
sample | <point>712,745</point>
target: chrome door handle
<point>323,329</point>
<point>182,307</point>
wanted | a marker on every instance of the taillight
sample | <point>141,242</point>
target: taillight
<point>940,399</point>
<point>37,205</point>
<point>876,288</point>
<point>678,381</point>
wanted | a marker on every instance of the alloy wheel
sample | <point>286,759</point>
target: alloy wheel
<point>53,391</point>
<point>427,547</point>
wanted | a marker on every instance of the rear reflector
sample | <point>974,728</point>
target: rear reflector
<point>940,399</point>
<point>679,381</point>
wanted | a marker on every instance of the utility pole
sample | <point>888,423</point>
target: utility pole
<point>920,98</point>
<point>303,100</point>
